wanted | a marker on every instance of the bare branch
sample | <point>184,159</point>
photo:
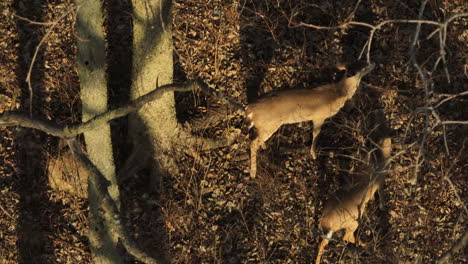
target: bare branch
<point>132,106</point>
<point>450,97</point>
<point>454,122</point>
<point>33,22</point>
<point>101,183</point>
<point>446,175</point>
<point>351,15</point>
<point>7,213</point>
<point>16,119</point>
<point>442,29</point>
<point>28,76</point>
<point>8,119</point>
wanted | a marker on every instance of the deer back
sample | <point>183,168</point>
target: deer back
<point>346,206</point>
<point>293,106</point>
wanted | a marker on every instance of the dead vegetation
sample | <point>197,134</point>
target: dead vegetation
<point>213,212</point>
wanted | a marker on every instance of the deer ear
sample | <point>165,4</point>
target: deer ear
<point>341,71</point>
<point>340,66</point>
<point>356,67</point>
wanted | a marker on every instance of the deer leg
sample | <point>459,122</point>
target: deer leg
<point>322,245</point>
<point>262,136</point>
<point>349,234</point>
<point>253,156</point>
<point>362,244</point>
<point>315,132</point>
<point>381,198</point>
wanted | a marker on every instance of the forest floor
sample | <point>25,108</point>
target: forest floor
<point>213,212</point>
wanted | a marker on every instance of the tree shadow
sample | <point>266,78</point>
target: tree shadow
<point>270,47</point>
<point>145,225</point>
<point>35,208</point>
<point>257,46</point>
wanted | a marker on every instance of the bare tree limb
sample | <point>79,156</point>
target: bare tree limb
<point>98,180</point>
<point>16,119</point>
<point>8,119</point>
<point>133,106</point>
<point>455,122</point>
<point>442,29</point>
<point>32,21</point>
<point>7,213</point>
<point>450,97</point>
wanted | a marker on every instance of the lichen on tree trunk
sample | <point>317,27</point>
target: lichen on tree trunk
<point>91,71</point>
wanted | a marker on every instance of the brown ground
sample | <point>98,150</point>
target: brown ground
<point>213,212</point>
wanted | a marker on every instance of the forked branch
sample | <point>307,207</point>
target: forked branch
<point>441,27</point>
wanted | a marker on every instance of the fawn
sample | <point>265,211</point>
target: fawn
<point>298,105</point>
<point>345,207</point>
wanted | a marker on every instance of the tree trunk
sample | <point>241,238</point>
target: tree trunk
<point>155,125</point>
<point>91,70</point>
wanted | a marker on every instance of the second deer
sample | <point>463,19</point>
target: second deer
<point>294,106</point>
<point>344,209</point>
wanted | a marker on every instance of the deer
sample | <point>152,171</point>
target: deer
<point>345,207</point>
<point>269,113</point>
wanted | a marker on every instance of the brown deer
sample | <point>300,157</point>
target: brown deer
<point>345,207</point>
<point>294,106</point>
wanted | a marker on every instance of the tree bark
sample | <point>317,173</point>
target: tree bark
<point>155,125</point>
<point>91,70</point>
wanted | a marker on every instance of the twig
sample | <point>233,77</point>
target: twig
<point>351,15</point>
<point>450,97</point>
<point>32,21</point>
<point>455,192</point>
<point>437,117</point>
<point>28,76</point>
<point>7,213</point>
<point>455,122</point>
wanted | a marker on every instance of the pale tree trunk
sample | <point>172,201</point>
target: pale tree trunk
<point>91,70</point>
<point>154,127</point>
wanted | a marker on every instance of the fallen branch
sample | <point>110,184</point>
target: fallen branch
<point>68,132</point>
